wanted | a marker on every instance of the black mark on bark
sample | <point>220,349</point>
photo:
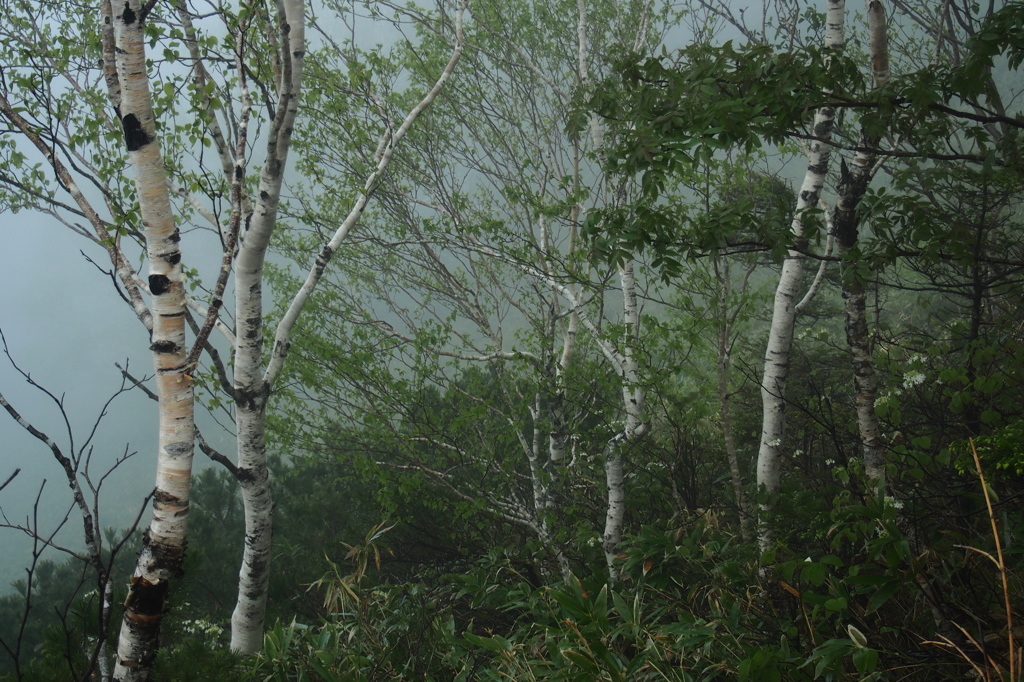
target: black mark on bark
<point>164,347</point>
<point>135,138</point>
<point>159,284</point>
<point>178,449</point>
<point>129,16</point>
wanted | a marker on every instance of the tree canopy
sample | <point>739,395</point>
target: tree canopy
<point>576,340</point>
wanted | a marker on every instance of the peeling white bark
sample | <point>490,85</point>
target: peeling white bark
<point>624,362</point>
<point>250,388</point>
<point>164,541</point>
<point>633,402</point>
<point>852,187</point>
<point>780,338</point>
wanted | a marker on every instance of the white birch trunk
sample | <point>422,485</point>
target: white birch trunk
<point>780,338</point>
<point>250,388</point>
<point>541,480</point>
<point>633,403</point>
<point>625,363</point>
<point>853,184</point>
<point>106,607</point>
<point>164,541</point>
<point>633,398</point>
<point>253,383</point>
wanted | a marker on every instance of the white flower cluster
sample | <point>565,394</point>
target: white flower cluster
<point>893,502</point>
<point>818,333</point>
<point>203,628</point>
<point>911,379</point>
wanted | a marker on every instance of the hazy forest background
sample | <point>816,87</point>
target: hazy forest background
<point>519,340</point>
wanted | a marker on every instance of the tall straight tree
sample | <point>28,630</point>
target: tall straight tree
<point>254,381</point>
<point>852,186</point>
<point>164,542</point>
<point>250,390</point>
<point>787,293</point>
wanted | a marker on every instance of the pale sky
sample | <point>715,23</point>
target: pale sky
<point>66,326</point>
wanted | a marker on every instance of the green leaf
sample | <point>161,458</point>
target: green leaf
<point>838,604</point>
<point>865,660</point>
<point>882,595</point>
<point>814,573</point>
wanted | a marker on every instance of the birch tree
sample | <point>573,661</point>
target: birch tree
<point>128,89</point>
<point>77,128</point>
<point>687,110</point>
<point>787,293</point>
<point>487,270</point>
<point>164,542</point>
<point>852,186</point>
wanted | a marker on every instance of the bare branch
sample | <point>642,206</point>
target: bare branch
<point>10,478</point>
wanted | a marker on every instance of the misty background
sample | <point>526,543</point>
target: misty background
<point>66,327</point>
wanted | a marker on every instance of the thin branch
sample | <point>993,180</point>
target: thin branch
<point>137,382</point>
<point>10,478</point>
<point>215,455</point>
<point>291,316</point>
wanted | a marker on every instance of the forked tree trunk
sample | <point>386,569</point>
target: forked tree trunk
<point>787,294</point>
<point>247,619</point>
<point>164,541</point>
<point>250,387</point>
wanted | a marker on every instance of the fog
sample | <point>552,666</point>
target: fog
<point>66,327</point>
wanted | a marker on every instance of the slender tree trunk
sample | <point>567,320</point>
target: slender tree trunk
<point>724,363</point>
<point>258,505</point>
<point>633,401</point>
<point>250,387</point>
<point>780,338</point>
<point>542,478</point>
<point>625,363</point>
<point>615,513</point>
<point>558,363</point>
<point>852,186</point>
<point>164,541</point>
<point>253,384</point>
<point>106,607</point>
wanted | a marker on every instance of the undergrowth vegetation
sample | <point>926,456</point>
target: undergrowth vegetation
<point>859,597</point>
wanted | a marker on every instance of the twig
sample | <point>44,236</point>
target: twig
<point>1001,563</point>
<point>10,478</point>
<point>137,382</point>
